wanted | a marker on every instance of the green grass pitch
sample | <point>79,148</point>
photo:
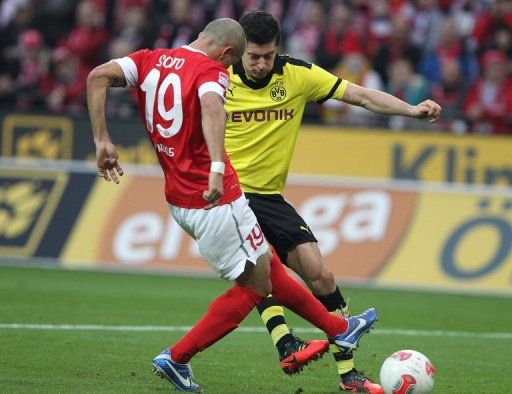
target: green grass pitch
<point>99,361</point>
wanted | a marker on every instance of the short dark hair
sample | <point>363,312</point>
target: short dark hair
<point>260,27</point>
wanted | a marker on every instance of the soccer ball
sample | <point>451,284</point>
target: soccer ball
<point>407,372</point>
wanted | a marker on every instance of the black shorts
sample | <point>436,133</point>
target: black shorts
<point>281,224</point>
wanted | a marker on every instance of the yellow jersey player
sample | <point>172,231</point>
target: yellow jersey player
<point>265,104</point>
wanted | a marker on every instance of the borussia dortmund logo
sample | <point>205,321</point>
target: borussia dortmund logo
<point>28,201</point>
<point>45,137</point>
<point>43,143</point>
<point>277,91</point>
<point>20,204</point>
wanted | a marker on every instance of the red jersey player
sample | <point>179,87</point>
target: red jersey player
<point>181,93</point>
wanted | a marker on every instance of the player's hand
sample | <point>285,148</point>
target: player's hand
<point>107,161</point>
<point>428,109</point>
<point>215,189</point>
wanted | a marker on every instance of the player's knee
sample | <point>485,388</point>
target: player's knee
<point>327,277</point>
<point>257,277</point>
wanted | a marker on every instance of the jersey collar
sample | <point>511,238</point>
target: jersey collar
<point>279,63</point>
<point>193,49</point>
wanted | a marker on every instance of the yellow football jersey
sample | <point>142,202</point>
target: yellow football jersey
<point>264,118</point>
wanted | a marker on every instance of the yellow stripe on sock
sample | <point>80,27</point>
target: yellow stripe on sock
<point>333,348</point>
<point>272,311</point>
<point>345,365</point>
<point>280,331</point>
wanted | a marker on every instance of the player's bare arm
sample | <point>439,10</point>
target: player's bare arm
<point>102,77</point>
<point>214,126</point>
<point>384,103</point>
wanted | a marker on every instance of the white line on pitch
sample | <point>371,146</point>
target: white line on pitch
<point>381,331</point>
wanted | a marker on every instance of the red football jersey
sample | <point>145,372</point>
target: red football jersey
<point>169,84</point>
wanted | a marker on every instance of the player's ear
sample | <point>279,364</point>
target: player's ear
<point>227,56</point>
<point>227,51</point>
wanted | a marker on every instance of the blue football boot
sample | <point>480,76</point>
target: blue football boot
<point>357,326</point>
<point>180,375</point>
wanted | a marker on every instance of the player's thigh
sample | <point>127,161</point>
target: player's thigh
<point>228,236</point>
<point>257,277</point>
<point>283,227</point>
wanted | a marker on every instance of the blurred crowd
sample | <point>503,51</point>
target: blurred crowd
<point>457,52</point>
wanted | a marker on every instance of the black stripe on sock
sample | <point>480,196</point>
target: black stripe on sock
<point>342,356</point>
<point>274,321</point>
<point>266,303</point>
<point>281,344</point>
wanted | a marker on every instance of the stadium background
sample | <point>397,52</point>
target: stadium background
<point>395,203</point>
<point>378,192</point>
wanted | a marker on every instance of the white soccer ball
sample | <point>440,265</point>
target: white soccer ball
<point>407,372</point>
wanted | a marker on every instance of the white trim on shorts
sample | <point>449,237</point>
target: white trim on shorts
<point>224,235</point>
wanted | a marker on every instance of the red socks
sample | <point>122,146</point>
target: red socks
<point>222,317</point>
<point>229,309</point>
<point>297,298</point>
